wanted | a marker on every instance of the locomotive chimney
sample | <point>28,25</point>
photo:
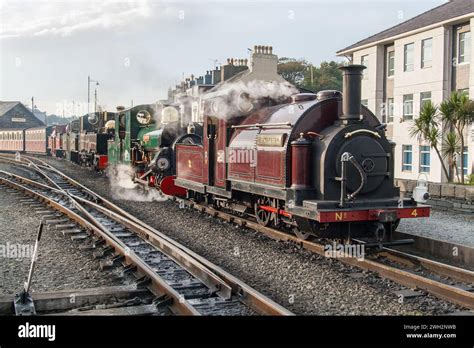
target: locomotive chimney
<point>351,91</point>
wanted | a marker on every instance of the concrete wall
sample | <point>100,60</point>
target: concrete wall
<point>444,196</point>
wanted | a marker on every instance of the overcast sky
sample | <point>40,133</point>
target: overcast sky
<point>137,49</point>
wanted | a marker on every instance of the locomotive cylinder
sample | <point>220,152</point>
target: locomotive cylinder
<point>301,163</point>
<point>351,91</point>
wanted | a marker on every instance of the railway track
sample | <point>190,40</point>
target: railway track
<point>402,274</point>
<point>443,281</point>
<point>181,280</point>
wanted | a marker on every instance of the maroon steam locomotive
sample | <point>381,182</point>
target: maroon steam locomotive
<point>319,165</point>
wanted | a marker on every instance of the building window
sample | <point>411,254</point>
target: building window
<point>391,63</point>
<point>390,109</point>
<point>426,53</point>
<point>424,98</point>
<point>364,60</point>
<point>464,90</point>
<point>465,47</point>
<point>408,107</point>
<point>406,158</point>
<point>424,159</point>
<point>409,57</point>
<point>465,158</point>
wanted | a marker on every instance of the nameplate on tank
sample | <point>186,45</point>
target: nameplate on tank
<point>271,139</point>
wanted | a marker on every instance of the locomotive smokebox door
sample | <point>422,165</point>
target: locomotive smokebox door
<point>371,156</point>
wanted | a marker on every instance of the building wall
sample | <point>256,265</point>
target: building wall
<point>470,132</point>
<point>369,81</point>
<point>440,79</point>
<point>430,79</point>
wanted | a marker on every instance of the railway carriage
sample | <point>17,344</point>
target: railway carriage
<point>55,140</point>
<point>12,140</point>
<point>36,140</point>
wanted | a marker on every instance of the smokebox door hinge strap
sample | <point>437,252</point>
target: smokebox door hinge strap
<point>349,134</point>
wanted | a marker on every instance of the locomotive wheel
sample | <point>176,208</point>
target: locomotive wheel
<point>301,234</point>
<point>263,217</point>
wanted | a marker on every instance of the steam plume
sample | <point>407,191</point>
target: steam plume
<point>123,187</point>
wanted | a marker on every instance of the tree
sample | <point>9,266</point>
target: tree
<point>327,76</point>
<point>458,113</point>
<point>449,149</point>
<point>292,70</point>
<point>305,75</point>
<point>426,127</point>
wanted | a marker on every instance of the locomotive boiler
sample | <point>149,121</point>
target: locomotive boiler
<point>319,165</point>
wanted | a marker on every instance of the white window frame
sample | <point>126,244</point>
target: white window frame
<point>466,163</point>
<point>390,109</point>
<point>405,150</point>
<point>390,72</point>
<point>423,151</point>
<point>426,63</point>
<point>423,100</point>
<point>466,52</point>
<point>408,67</point>
<point>407,116</point>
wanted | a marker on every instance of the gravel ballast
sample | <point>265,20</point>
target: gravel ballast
<point>302,282</point>
<point>61,265</point>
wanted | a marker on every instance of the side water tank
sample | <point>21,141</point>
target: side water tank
<point>300,163</point>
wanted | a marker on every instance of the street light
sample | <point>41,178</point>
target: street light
<point>89,80</point>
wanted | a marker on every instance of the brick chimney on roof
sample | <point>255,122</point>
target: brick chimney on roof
<point>263,59</point>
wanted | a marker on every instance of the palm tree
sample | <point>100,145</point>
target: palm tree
<point>458,113</point>
<point>426,128</point>
<point>449,149</point>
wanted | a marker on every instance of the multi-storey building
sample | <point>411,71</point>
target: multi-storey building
<point>424,58</point>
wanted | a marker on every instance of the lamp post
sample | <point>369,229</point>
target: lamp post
<point>89,80</point>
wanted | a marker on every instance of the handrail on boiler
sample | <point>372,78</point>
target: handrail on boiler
<point>265,125</point>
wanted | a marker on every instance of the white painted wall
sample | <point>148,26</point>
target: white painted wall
<point>435,79</point>
<point>470,139</point>
<point>415,82</point>
<point>369,82</point>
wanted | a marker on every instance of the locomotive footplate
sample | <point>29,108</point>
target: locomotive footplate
<point>325,212</point>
